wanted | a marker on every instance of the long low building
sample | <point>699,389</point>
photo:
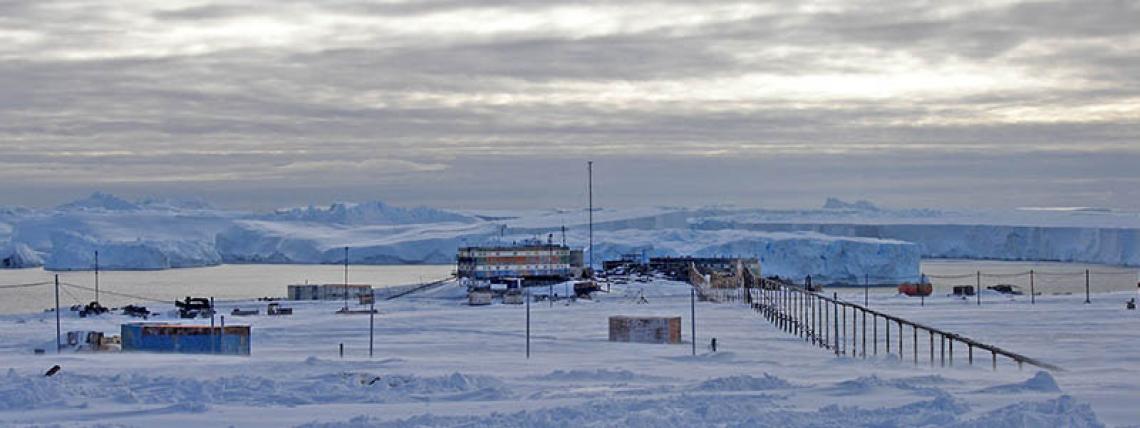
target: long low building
<point>328,291</point>
<point>533,262</point>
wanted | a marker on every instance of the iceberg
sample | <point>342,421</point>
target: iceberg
<point>843,242</point>
<point>19,256</point>
<point>795,255</point>
<point>71,251</point>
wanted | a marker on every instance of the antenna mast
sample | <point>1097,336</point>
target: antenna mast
<point>96,277</point>
<point>346,279</point>
<point>590,193</point>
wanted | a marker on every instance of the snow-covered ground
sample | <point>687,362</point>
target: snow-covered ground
<point>441,363</point>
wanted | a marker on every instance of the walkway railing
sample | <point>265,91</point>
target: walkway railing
<point>824,322</point>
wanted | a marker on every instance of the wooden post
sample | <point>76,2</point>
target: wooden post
<point>371,323</point>
<point>1087,300</point>
<point>978,292</point>
<point>346,279</point>
<point>854,336</point>
<point>1032,293</point>
<point>915,329</point>
<point>900,340</point>
<point>527,297</point>
<point>835,304</point>
<point>951,352</point>
<point>875,332</point>
<point>994,355</point>
<point>58,345</point>
<point>827,323</point>
<point>222,341</point>
<point>844,331</point>
<point>887,324</point>
<point>96,277</point>
<point>802,297</point>
<point>970,355</point>
<point>931,348</point>
<point>942,351</point>
<point>811,314</point>
<point>692,318</point>
<point>214,344</point>
<point>864,333</point>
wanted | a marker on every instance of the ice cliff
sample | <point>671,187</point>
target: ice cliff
<point>842,242</point>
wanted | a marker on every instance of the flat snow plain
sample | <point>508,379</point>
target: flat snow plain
<point>441,363</point>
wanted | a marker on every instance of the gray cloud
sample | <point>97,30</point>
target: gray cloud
<point>422,103</point>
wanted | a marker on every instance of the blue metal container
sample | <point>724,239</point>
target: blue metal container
<point>186,339</point>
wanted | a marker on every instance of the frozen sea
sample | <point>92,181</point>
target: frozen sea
<point>225,282</point>
<point>253,281</point>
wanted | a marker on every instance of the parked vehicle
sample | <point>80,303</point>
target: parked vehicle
<point>1007,289</point>
<point>913,290</point>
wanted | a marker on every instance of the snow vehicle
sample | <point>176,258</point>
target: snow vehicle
<point>913,290</point>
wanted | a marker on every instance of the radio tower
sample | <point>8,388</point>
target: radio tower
<point>590,196</point>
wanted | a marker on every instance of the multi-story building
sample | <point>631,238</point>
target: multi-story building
<point>533,262</point>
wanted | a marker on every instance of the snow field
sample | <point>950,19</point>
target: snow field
<point>441,363</point>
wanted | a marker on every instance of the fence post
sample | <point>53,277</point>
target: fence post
<point>951,359</point>
<point>931,347</point>
<point>993,354</point>
<point>693,291</point>
<point>835,303</point>
<point>1032,293</point>
<point>799,314</point>
<point>942,350</point>
<point>887,324</point>
<point>814,329</point>
<point>854,333</point>
<point>900,340</point>
<point>58,344</point>
<point>970,355</point>
<point>222,342</point>
<point>692,319</point>
<point>844,331</point>
<point>875,331</point>
<point>978,292</point>
<point>371,324</point>
<point>805,315</point>
<point>864,333</point>
<point>1087,300</point>
<point>827,322</point>
<point>915,329</point>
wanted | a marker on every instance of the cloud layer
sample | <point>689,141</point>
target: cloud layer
<point>273,103</point>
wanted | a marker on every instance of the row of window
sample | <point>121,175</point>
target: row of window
<point>520,267</point>
<point>479,253</point>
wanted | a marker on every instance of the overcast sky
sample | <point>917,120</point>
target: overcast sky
<point>482,103</point>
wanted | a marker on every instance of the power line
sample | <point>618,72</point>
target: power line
<point>950,276</point>
<point>149,299</point>
<point>1005,275</point>
<point>1081,273</point>
<point>27,285</point>
<point>72,296</point>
